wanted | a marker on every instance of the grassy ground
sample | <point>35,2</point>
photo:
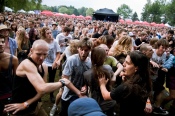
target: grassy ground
<point>47,105</point>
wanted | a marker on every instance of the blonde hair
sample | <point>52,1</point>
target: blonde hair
<point>73,46</point>
<point>102,39</point>
<point>43,32</point>
<point>21,39</point>
<point>124,46</point>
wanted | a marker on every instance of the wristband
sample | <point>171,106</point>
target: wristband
<point>62,82</point>
<point>26,105</point>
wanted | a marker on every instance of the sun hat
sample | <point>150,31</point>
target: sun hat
<point>85,107</point>
<point>54,23</point>
<point>4,27</point>
<point>131,34</point>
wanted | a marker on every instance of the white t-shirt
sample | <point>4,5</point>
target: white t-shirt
<point>67,52</point>
<point>61,39</point>
<point>54,48</point>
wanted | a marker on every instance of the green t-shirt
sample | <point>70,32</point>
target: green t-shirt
<point>110,60</point>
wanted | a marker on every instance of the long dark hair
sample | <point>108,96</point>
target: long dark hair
<point>140,83</point>
<point>98,56</point>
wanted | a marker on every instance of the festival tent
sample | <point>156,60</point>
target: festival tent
<point>153,24</point>
<point>66,15</point>
<point>145,23</point>
<point>128,21</point>
<point>8,9</point>
<point>57,14</point>
<point>105,15</point>
<point>88,17</point>
<point>31,12</point>
<point>137,22</point>
<point>47,12</point>
<point>161,25</point>
<point>80,17</point>
<point>21,11</point>
<point>73,16</point>
<point>167,25</point>
<point>121,21</point>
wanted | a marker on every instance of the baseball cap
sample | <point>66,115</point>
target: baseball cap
<point>85,107</point>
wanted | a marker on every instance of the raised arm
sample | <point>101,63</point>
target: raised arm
<point>105,93</point>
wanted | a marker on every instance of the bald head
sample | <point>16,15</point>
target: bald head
<point>144,47</point>
<point>147,50</point>
<point>39,51</point>
<point>40,43</point>
<point>103,45</point>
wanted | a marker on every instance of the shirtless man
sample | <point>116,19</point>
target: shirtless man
<point>8,65</point>
<point>10,44</point>
<point>29,85</point>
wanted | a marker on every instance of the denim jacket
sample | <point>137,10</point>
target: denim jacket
<point>13,46</point>
<point>169,62</point>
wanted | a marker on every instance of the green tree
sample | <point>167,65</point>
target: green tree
<point>20,4</point>
<point>125,11</point>
<point>2,4</point>
<point>71,10</point>
<point>156,12</point>
<point>76,12</point>
<point>89,11</point>
<point>82,11</point>
<point>170,14</point>
<point>63,9</point>
<point>153,11</point>
<point>145,13</point>
<point>135,17</point>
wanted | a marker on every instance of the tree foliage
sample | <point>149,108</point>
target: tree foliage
<point>135,17</point>
<point>124,11</point>
<point>159,11</point>
<point>21,4</point>
<point>89,11</point>
<point>170,14</point>
<point>82,11</point>
<point>63,10</point>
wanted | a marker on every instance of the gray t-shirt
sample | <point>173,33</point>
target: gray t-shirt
<point>160,60</point>
<point>74,68</point>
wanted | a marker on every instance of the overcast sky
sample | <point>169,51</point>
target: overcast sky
<point>135,5</point>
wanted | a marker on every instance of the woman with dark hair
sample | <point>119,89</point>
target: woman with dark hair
<point>98,57</point>
<point>33,35</point>
<point>13,28</point>
<point>132,94</point>
<point>2,19</point>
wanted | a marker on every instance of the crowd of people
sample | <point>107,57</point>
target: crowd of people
<point>106,64</point>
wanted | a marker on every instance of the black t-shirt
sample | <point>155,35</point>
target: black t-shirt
<point>138,42</point>
<point>96,35</point>
<point>130,103</point>
<point>106,33</point>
